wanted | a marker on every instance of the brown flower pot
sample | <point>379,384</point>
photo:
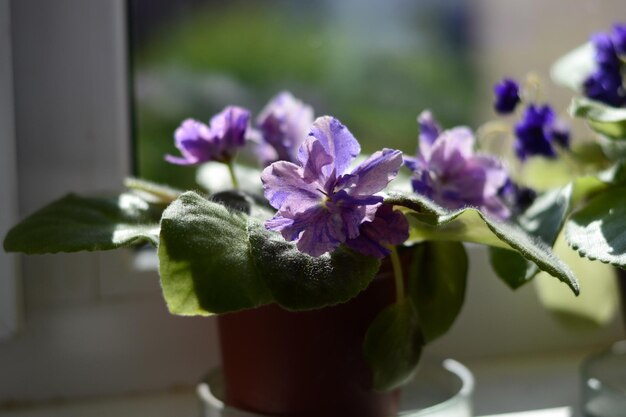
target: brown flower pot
<point>297,364</point>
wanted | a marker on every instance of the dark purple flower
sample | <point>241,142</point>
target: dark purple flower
<point>319,205</point>
<point>507,96</point>
<point>451,174</point>
<point>618,36</point>
<point>389,228</point>
<point>605,85</point>
<point>537,131</point>
<point>605,55</point>
<point>284,124</point>
<point>518,198</point>
<point>200,143</point>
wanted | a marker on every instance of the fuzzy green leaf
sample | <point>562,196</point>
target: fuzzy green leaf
<point>75,223</point>
<point>431,222</point>
<point>298,281</point>
<point>607,120</point>
<point>598,230</point>
<point>511,267</point>
<point>393,345</point>
<point>216,260</point>
<point>204,259</point>
<point>436,284</point>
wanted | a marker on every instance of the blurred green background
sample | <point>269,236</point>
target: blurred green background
<point>374,65</point>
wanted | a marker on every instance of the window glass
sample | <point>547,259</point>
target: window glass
<point>374,65</point>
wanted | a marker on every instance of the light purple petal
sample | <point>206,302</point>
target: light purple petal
<point>315,160</point>
<point>374,174</point>
<point>229,127</point>
<point>389,228</point>
<point>285,122</point>
<point>193,140</point>
<point>429,128</point>
<point>451,150</point>
<point>286,189</point>
<point>336,140</point>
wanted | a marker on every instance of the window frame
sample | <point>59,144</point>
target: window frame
<point>9,285</point>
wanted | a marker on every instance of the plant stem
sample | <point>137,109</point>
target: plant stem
<point>233,177</point>
<point>397,272</point>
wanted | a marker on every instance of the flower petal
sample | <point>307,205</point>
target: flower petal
<point>389,227</point>
<point>429,128</point>
<point>286,189</point>
<point>373,174</point>
<point>336,140</point>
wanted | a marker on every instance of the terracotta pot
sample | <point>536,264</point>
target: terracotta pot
<point>298,364</point>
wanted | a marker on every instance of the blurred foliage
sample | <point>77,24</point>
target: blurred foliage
<point>199,60</point>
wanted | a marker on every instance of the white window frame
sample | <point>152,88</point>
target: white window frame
<point>9,291</point>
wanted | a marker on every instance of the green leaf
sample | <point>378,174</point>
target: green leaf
<point>436,284</point>
<point>76,223</point>
<point>607,120</point>
<point>298,281</point>
<point>598,230</point>
<point>431,222</point>
<point>511,267</point>
<point>204,259</point>
<point>215,260</point>
<point>544,219</point>
<point>595,306</point>
<point>572,69</point>
<point>250,204</point>
<point>152,192</point>
<point>393,345</point>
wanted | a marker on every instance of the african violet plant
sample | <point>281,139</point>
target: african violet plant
<point>318,235</point>
<point>591,207</point>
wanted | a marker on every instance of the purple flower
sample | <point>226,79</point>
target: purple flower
<point>199,143</point>
<point>518,198</point>
<point>507,96</point>
<point>605,85</point>
<point>320,205</point>
<point>537,131</point>
<point>605,54</point>
<point>448,171</point>
<point>618,36</point>
<point>284,124</point>
<point>389,228</point>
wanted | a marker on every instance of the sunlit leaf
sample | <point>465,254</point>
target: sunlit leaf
<point>607,120</point>
<point>597,230</point>
<point>429,221</point>
<point>597,303</point>
<point>572,69</point>
<point>215,260</point>
<point>75,223</point>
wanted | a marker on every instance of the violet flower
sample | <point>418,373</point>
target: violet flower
<point>284,124</point>
<point>320,205</point>
<point>200,143</point>
<point>507,96</point>
<point>618,36</point>
<point>537,131</point>
<point>448,171</point>
<point>605,83</point>
<point>389,228</point>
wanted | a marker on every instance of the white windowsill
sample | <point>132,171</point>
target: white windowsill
<point>520,386</point>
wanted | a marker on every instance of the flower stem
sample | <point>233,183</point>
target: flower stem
<point>397,272</point>
<point>233,177</point>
